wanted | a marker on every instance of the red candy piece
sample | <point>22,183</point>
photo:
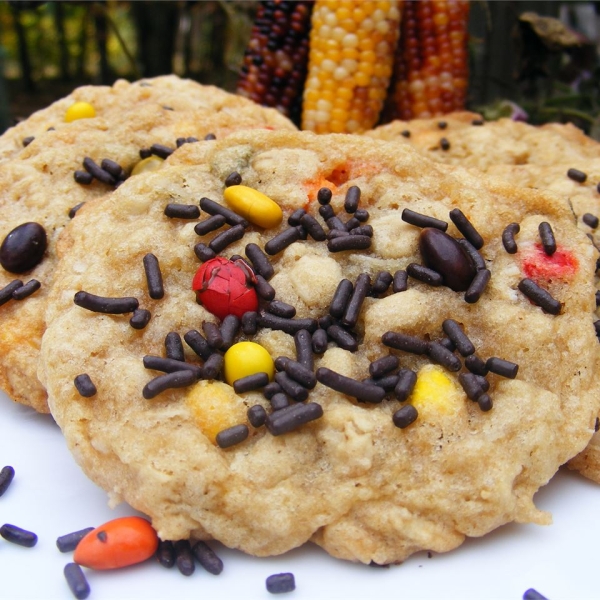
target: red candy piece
<point>224,287</point>
<point>537,265</point>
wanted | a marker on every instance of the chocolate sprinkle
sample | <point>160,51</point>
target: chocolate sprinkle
<point>340,299</point>
<point>140,318</point>
<point>420,220</point>
<point>26,290</point>
<point>320,341</point>
<point>291,387</point>
<point>290,326</point>
<point>363,392</point>
<point>197,342</point>
<point>343,338</point>
<point>165,553</point>
<point>264,289</point>
<point>281,241</point>
<point>304,351</point>
<point>406,383</point>
<point>182,211</point>
<point>271,389</point>
<point>281,309</point>
<point>313,227</point>
<point>444,357</point>
<point>590,220</point>
<point>250,383</point>
<point>405,416</point>
<point>362,215</point>
<point>178,379</point>
<point>161,151</point>
<point>68,542</point>
<point>455,332</point>
<point>354,306</point>
<point>209,225</point>
<point>7,474</point>
<point>400,282</point>
<point>384,365</point>
<point>169,365</point>
<point>424,274</point>
<point>485,402</point>
<point>470,384</point>
<point>295,218</point>
<point>472,252</point>
<point>508,237</point>
<point>352,199</point>
<point>280,583</point>
<point>226,238</point>
<point>406,343</point>
<point>476,365</point>
<point>214,208</point>
<point>466,228</point>
<point>213,366</point>
<point>97,171</point>
<point>326,211</point>
<point>203,252</point>
<point>174,346</point>
<point>301,374</point>
<point>76,580</point>
<point>478,285</point>
<point>324,196</point>
<point>16,535</point>
<point>184,559</point>
<point>234,178</point>
<point>85,386</point>
<point>83,177</point>
<point>229,329</point>
<point>502,367</point>
<point>102,304</point>
<point>232,436</point>
<point>207,558</point>
<point>257,415</point>
<point>6,293</point>
<point>213,334</point>
<point>547,238</point>
<point>382,282</point>
<point>279,401</point>
<point>577,175</point>
<point>249,321</point>
<point>444,144</point>
<point>153,277</point>
<point>260,261</point>
<point>539,296</point>
<point>349,242</point>
<point>293,417</point>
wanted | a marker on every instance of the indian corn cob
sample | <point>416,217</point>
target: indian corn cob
<point>351,59</point>
<point>431,67</point>
<point>276,59</point>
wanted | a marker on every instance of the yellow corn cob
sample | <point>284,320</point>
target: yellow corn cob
<point>351,59</point>
<point>431,69</point>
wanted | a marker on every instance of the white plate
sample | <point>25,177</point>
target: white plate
<point>50,496</point>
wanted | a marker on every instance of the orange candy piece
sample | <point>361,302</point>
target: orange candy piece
<point>118,543</point>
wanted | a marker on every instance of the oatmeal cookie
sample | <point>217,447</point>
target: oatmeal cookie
<point>38,185</point>
<point>413,401</point>
<point>554,157</point>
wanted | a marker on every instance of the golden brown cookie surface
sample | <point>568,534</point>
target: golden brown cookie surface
<point>38,185</point>
<point>350,480</point>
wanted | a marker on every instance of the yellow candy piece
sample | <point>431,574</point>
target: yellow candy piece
<point>79,110</point>
<point>152,163</point>
<point>435,393</point>
<point>215,407</point>
<point>253,206</point>
<point>247,358</point>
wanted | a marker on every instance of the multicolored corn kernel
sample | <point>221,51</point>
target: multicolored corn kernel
<point>431,63</point>
<point>275,63</point>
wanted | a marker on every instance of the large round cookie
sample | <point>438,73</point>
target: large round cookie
<point>351,480</point>
<point>537,157</point>
<point>38,185</point>
<point>113,103</point>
